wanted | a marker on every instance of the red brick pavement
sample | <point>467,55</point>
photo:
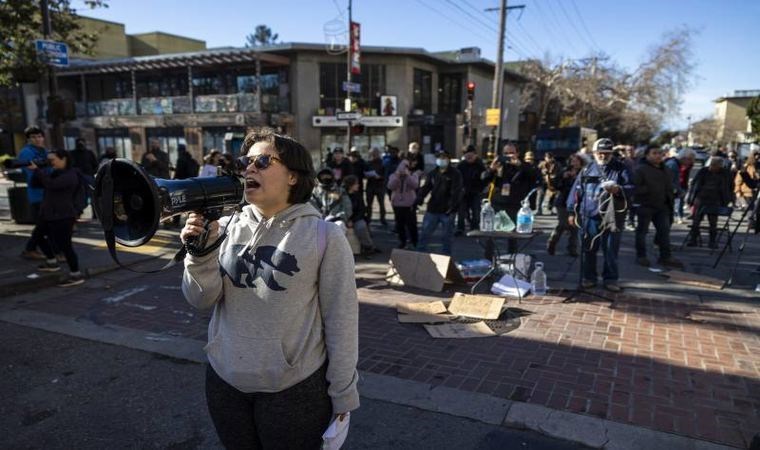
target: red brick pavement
<point>675,367</point>
<point>683,368</point>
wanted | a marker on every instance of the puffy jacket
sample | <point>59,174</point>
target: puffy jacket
<point>403,187</point>
<point>654,187</point>
<point>58,199</point>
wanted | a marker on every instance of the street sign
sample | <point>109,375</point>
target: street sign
<point>492,117</point>
<point>348,116</point>
<point>52,52</point>
<point>355,88</point>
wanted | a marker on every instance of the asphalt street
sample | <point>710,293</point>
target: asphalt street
<point>61,392</point>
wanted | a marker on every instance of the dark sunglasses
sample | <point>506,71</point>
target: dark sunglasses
<point>260,162</point>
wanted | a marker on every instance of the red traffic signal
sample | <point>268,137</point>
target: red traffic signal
<point>470,90</point>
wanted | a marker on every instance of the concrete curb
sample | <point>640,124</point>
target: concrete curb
<point>587,430</point>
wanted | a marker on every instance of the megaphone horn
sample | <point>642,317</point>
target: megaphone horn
<point>131,203</point>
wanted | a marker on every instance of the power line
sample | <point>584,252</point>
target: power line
<point>583,24</point>
<point>542,12</point>
<point>575,26</point>
<point>471,16</point>
<point>455,22</point>
<point>560,25</point>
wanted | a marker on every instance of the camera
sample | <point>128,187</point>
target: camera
<point>16,163</point>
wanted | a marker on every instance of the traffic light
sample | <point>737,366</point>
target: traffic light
<point>470,90</point>
<point>357,128</point>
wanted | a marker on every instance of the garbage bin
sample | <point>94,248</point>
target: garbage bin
<point>21,210</point>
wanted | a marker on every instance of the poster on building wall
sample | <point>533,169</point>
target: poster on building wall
<point>388,105</point>
<point>355,48</point>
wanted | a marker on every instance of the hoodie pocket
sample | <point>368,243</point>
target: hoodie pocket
<point>249,364</point>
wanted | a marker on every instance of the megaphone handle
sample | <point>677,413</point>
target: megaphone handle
<point>197,243</point>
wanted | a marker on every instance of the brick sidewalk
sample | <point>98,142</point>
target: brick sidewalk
<point>688,369</point>
<point>692,369</point>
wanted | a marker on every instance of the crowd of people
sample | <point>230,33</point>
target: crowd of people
<point>632,189</point>
<point>603,190</point>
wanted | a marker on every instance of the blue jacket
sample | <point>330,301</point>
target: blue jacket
<point>28,153</point>
<point>594,193</point>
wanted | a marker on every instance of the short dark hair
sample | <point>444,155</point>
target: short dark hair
<point>293,155</point>
<point>62,154</point>
<point>32,129</point>
<point>651,147</point>
<point>349,181</point>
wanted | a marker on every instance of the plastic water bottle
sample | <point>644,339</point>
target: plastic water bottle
<point>525,219</point>
<point>538,280</point>
<point>486,216</point>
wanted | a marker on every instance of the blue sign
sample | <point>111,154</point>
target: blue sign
<point>52,52</point>
<point>356,88</point>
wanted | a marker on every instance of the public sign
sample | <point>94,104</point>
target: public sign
<point>356,68</point>
<point>348,116</point>
<point>52,52</point>
<point>492,117</point>
<point>355,88</point>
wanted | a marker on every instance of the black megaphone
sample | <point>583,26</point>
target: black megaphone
<point>130,203</point>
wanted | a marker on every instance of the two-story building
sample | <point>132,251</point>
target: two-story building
<point>138,89</point>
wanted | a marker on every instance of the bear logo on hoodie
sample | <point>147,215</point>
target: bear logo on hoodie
<point>261,264</point>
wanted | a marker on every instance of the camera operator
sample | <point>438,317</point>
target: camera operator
<point>34,150</point>
<point>331,200</point>
<point>710,190</point>
<point>283,337</point>
<point>563,183</point>
<point>746,179</point>
<point>605,183</point>
<point>510,181</point>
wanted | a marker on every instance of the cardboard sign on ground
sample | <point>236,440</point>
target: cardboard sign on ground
<point>421,308</point>
<point>692,279</point>
<point>459,330</point>
<point>477,306</point>
<point>423,270</point>
<point>424,318</point>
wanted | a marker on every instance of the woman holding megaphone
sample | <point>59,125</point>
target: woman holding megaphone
<point>283,338</point>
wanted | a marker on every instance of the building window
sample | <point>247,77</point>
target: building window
<point>450,93</point>
<point>371,137</point>
<point>332,95</point>
<point>168,138</point>
<point>214,138</point>
<point>422,93</point>
<point>162,85</point>
<point>116,138</point>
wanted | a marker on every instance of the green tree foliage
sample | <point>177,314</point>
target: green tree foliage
<point>262,36</point>
<point>21,25</point>
<point>753,113</point>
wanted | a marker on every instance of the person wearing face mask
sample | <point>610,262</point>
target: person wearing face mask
<point>444,184</point>
<point>331,200</point>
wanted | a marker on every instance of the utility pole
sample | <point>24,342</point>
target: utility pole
<point>56,134</point>
<point>347,106</point>
<point>497,98</point>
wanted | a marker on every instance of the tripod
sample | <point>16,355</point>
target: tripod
<point>582,225</point>
<point>753,222</point>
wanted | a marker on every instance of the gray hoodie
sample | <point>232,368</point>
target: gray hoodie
<point>280,313</point>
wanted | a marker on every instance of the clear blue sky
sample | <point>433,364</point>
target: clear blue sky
<point>726,53</point>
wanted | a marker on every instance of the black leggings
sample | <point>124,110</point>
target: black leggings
<point>59,233</point>
<point>294,418</point>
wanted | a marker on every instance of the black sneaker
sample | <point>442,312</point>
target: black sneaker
<point>71,280</point>
<point>49,267</point>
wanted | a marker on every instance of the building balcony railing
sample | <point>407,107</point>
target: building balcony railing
<point>233,103</point>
